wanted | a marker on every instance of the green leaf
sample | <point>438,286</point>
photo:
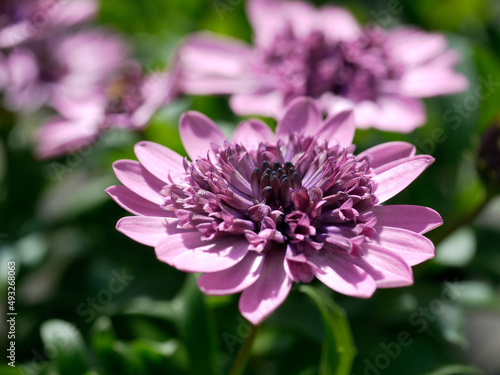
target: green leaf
<point>64,344</point>
<point>338,346</point>
<point>197,329</point>
<point>456,369</point>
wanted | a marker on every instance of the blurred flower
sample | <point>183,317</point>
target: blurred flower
<point>28,20</point>
<point>324,54</point>
<point>61,68</point>
<point>489,153</point>
<point>127,100</point>
<point>264,210</point>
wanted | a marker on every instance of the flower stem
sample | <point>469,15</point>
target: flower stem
<point>244,353</point>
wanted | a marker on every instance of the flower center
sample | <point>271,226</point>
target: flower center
<point>313,65</point>
<point>317,195</point>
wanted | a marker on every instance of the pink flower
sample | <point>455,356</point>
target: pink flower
<point>61,68</point>
<point>264,210</point>
<point>323,53</point>
<point>30,20</point>
<point>127,100</point>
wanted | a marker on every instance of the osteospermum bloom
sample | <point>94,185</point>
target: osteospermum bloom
<point>265,210</point>
<point>29,20</point>
<point>323,53</point>
<point>127,100</point>
<point>61,68</point>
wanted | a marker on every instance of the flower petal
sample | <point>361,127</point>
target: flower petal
<point>198,132</point>
<point>415,47</point>
<point>418,219</point>
<point>302,117</point>
<point>337,23</point>
<point>267,103</point>
<point>388,269</point>
<point>147,230</point>
<point>384,153</point>
<point>188,252</point>
<point>412,247</point>
<point>391,113</point>
<point>343,276</point>
<point>267,19</point>
<point>134,176</point>
<point>264,296</point>
<point>339,128</point>
<point>159,160</point>
<point>252,132</point>
<point>234,279</point>
<point>436,77</point>
<point>392,181</point>
<point>134,203</point>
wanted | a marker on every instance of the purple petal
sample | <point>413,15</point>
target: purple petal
<point>252,132</point>
<point>391,113</point>
<point>436,77</point>
<point>392,181</point>
<point>234,279</point>
<point>387,152</point>
<point>337,23</point>
<point>198,132</point>
<point>418,219</point>
<point>260,300</point>
<point>267,19</point>
<point>302,117</point>
<point>343,276</point>
<point>388,269</point>
<point>159,160</point>
<point>134,203</point>
<point>268,104</point>
<point>412,247</point>
<point>188,252</point>
<point>147,230</point>
<point>134,176</point>
<point>339,129</point>
<point>415,47</point>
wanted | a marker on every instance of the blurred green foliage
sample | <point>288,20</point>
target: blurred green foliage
<point>58,225</point>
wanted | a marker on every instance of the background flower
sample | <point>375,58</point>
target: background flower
<point>326,54</point>
<point>266,210</point>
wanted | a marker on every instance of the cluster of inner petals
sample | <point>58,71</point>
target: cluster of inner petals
<point>313,65</point>
<point>301,195</point>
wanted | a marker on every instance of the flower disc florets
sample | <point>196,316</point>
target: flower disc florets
<point>300,194</point>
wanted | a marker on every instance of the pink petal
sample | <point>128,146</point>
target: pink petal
<point>252,132</point>
<point>412,247</point>
<point>392,181</point>
<point>198,132</point>
<point>267,19</point>
<point>189,253</point>
<point>147,230</point>
<point>388,269</point>
<point>436,77</point>
<point>215,65</point>
<point>60,136</point>
<point>343,276</point>
<point>385,153</point>
<point>391,113</point>
<point>134,176</point>
<point>234,279</point>
<point>302,117</point>
<point>337,23</point>
<point>415,47</point>
<point>134,203</point>
<point>339,129</point>
<point>417,219</point>
<point>159,160</point>
<point>269,104</point>
<point>260,300</point>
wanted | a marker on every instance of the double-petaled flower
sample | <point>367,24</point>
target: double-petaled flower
<point>264,210</point>
<point>325,54</point>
